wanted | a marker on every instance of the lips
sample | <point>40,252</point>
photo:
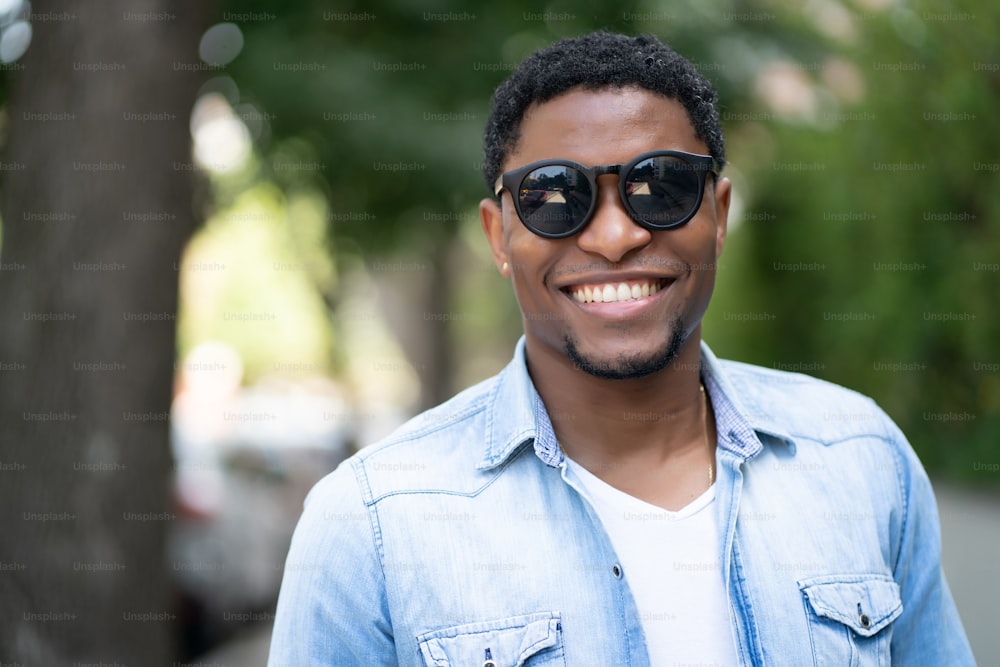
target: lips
<point>614,292</point>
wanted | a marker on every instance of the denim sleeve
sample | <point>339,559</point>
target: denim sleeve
<point>929,631</point>
<point>332,607</point>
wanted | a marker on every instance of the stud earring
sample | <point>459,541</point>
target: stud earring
<point>504,268</point>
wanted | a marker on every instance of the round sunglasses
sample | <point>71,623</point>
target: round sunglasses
<point>557,198</point>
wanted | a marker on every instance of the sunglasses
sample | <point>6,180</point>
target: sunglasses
<point>557,198</point>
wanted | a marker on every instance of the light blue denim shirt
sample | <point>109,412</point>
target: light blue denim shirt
<point>463,540</point>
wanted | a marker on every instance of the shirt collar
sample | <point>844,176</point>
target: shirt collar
<point>740,416</point>
<point>516,415</point>
<point>511,416</point>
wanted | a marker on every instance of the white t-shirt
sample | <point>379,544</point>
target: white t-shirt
<point>671,563</point>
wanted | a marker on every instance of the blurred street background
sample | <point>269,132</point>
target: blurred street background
<point>239,240</point>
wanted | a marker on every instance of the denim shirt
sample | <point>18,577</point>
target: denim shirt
<point>462,540</point>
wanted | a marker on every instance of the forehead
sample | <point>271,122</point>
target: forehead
<point>606,126</point>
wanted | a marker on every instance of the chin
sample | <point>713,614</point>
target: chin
<point>627,365</point>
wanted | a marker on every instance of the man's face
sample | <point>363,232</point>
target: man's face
<point>623,336</point>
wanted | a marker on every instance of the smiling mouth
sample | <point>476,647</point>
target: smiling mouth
<point>614,292</point>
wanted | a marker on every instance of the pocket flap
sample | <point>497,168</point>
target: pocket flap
<point>504,642</point>
<point>865,603</point>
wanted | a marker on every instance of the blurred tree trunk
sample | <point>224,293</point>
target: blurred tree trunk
<point>417,305</point>
<point>438,375</point>
<point>96,204</point>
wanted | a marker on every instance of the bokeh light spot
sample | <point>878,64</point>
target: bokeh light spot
<point>15,41</point>
<point>222,142</point>
<point>221,44</point>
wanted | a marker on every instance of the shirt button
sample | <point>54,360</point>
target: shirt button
<point>616,570</point>
<point>865,621</point>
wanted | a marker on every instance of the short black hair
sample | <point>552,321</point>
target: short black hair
<point>595,61</point>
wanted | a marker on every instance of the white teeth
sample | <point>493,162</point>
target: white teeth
<point>610,293</point>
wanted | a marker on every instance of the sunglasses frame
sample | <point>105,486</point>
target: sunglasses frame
<point>512,180</point>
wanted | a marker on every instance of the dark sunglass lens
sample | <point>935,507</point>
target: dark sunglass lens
<point>663,190</point>
<point>554,199</point>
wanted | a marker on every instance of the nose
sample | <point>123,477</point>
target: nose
<point>611,232</point>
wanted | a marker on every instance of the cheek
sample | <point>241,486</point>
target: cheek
<point>522,266</point>
<point>697,252</point>
<point>697,247</point>
<point>516,239</point>
<point>704,261</point>
<point>527,253</point>
<point>532,259</point>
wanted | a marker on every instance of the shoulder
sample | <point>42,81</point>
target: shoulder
<point>839,436</point>
<point>458,412</point>
<point>438,449</point>
<point>803,406</point>
<point>437,431</point>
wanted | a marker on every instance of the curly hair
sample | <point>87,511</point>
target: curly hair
<point>596,61</point>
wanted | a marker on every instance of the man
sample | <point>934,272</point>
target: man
<point>617,495</point>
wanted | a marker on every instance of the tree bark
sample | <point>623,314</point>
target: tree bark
<point>96,204</point>
<point>417,303</point>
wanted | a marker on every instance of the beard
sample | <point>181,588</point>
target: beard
<point>628,367</point>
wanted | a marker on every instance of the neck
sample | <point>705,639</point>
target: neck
<point>619,424</point>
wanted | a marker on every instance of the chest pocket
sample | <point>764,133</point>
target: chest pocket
<point>532,640</point>
<point>850,618</point>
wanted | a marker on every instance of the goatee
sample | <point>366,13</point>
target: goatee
<point>625,367</point>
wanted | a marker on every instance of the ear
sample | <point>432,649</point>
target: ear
<point>492,219</point>
<point>722,195</point>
